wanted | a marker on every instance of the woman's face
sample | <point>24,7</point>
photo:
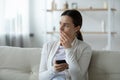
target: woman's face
<point>67,26</point>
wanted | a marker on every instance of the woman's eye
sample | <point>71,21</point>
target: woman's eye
<point>66,25</point>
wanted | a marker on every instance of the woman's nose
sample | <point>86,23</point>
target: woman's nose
<point>61,28</point>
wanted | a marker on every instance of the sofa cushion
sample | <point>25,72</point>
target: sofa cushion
<point>19,63</point>
<point>105,65</point>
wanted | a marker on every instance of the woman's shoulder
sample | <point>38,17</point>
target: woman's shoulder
<point>83,44</point>
<point>48,46</point>
<point>50,43</point>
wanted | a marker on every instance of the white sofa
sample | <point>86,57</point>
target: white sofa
<point>23,64</point>
<point>19,63</point>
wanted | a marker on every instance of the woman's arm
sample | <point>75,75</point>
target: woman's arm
<point>78,68</point>
<point>44,72</point>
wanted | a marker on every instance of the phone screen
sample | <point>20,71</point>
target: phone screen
<point>60,61</point>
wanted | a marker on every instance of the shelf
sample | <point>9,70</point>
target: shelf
<point>54,32</point>
<point>106,13</point>
<point>84,9</point>
<point>98,32</point>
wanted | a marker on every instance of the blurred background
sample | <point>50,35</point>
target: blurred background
<point>31,23</point>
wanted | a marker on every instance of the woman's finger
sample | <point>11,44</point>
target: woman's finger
<point>65,35</point>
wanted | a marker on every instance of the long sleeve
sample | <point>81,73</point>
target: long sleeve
<point>78,67</point>
<point>44,72</point>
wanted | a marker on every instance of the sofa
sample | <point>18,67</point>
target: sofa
<point>23,64</point>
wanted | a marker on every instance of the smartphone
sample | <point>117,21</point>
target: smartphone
<point>60,61</point>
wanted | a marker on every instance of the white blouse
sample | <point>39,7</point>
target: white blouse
<point>60,55</point>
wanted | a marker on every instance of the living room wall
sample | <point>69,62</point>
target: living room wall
<point>38,24</point>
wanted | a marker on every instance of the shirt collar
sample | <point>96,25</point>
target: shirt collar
<point>73,42</point>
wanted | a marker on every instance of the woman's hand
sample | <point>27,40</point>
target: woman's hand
<point>65,40</point>
<point>60,67</point>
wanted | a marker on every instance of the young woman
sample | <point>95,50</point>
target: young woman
<point>70,48</point>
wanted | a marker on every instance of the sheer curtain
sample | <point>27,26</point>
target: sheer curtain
<point>14,23</point>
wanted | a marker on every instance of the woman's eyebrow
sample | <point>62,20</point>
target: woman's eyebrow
<point>66,23</point>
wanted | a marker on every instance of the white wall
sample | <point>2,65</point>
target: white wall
<point>40,22</point>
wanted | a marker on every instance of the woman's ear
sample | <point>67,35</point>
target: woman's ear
<point>77,28</point>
